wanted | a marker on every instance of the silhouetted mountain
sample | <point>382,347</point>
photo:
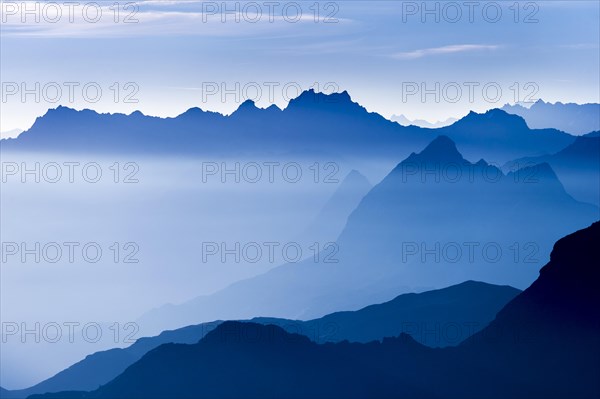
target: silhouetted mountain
<point>435,318</point>
<point>571,118</point>
<point>577,167</point>
<point>543,344</point>
<point>330,221</point>
<point>101,367</point>
<point>434,221</point>
<point>312,122</point>
<point>404,121</point>
<point>502,134</point>
<point>248,109</point>
<point>252,360</point>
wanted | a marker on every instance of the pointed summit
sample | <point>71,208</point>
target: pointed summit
<point>355,177</point>
<point>248,105</point>
<point>441,150</point>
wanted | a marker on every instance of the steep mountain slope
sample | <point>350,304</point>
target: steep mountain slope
<point>331,219</point>
<point>434,221</point>
<point>577,166</point>
<point>546,341</point>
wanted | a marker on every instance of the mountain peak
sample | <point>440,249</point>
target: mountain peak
<point>60,110</point>
<point>243,333</point>
<point>313,99</point>
<point>442,149</point>
<point>192,112</point>
<point>344,95</point>
<point>273,108</point>
<point>247,106</point>
<point>355,176</point>
<point>495,116</point>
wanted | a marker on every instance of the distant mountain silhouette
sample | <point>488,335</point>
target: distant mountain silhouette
<point>404,237</point>
<point>571,118</point>
<point>577,166</point>
<point>404,121</point>
<point>504,133</point>
<point>100,367</point>
<point>435,318</point>
<point>331,219</point>
<point>543,344</point>
<point>311,123</point>
<point>252,360</point>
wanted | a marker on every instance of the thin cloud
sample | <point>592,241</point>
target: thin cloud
<point>150,18</point>
<point>452,49</point>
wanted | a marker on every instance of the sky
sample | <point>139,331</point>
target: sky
<point>427,60</point>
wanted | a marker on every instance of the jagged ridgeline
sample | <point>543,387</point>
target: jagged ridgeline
<point>312,123</point>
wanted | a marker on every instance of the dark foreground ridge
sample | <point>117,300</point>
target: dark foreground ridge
<point>453,314</point>
<point>543,344</point>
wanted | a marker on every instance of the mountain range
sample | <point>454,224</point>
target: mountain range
<point>313,123</point>
<point>435,318</point>
<point>572,118</point>
<point>403,237</point>
<point>542,344</point>
<point>577,166</point>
